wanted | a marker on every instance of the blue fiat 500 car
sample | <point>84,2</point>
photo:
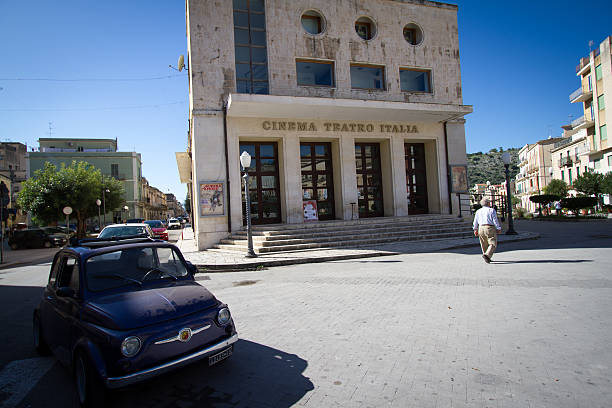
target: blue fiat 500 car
<point>118,312</point>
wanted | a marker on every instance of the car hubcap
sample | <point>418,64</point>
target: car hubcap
<point>81,380</point>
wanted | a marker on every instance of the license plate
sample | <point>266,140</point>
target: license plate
<point>219,356</point>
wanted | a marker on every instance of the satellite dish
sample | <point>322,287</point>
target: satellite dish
<point>181,63</point>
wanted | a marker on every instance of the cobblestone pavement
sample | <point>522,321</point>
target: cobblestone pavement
<point>442,329</point>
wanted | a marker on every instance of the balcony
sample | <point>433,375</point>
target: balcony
<point>584,66</point>
<point>582,122</point>
<point>580,95</point>
<point>565,162</point>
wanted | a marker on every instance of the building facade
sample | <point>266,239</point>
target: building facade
<point>595,93</point>
<point>175,208</point>
<point>349,109</point>
<point>570,155</point>
<point>535,171</point>
<point>13,166</point>
<point>102,154</point>
<point>155,207</point>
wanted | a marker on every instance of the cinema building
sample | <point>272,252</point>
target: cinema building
<point>349,108</point>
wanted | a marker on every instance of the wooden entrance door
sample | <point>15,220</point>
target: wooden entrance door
<point>369,180</point>
<point>416,178</point>
<point>318,177</point>
<point>264,186</point>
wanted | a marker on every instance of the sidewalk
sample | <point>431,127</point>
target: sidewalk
<point>230,260</point>
<point>20,257</point>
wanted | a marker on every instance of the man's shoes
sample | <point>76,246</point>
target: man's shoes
<point>486,258</point>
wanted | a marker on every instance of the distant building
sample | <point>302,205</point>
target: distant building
<point>595,92</point>
<point>155,207</point>
<point>570,155</point>
<point>14,167</point>
<point>535,171</point>
<point>102,154</point>
<point>175,208</point>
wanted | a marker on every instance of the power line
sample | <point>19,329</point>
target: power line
<point>93,79</point>
<point>91,109</point>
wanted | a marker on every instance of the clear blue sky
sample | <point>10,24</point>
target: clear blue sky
<point>517,63</point>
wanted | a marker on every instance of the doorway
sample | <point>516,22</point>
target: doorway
<point>318,177</point>
<point>416,178</point>
<point>369,180</point>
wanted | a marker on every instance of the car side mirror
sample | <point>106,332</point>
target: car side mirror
<point>191,268</point>
<point>65,291</point>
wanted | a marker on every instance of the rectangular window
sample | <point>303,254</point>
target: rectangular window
<point>315,73</point>
<point>600,102</point>
<point>597,164</point>
<point>577,171</point>
<point>590,85</point>
<point>367,77</point>
<point>250,46</point>
<point>415,80</point>
<point>610,161</point>
<point>598,74</point>
<point>603,132</point>
<point>115,170</point>
<point>569,176</point>
<point>562,176</point>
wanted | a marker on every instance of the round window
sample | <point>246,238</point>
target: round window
<point>313,22</point>
<point>413,34</point>
<point>365,28</point>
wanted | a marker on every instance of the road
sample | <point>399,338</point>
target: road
<point>531,329</point>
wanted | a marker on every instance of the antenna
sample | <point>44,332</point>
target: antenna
<point>51,129</point>
<point>590,45</point>
<point>180,64</point>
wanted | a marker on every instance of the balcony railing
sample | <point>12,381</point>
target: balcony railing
<point>580,95</point>
<point>583,63</point>
<point>565,161</point>
<point>578,121</point>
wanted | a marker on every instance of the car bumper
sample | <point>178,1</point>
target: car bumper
<point>117,382</point>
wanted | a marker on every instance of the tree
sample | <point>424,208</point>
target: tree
<point>188,205</point>
<point>607,183</point>
<point>590,183</point>
<point>78,186</point>
<point>556,187</point>
<point>578,203</point>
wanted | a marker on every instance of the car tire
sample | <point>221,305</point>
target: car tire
<point>39,340</point>
<point>89,388</point>
<point>47,244</point>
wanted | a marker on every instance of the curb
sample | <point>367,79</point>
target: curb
<point>253,266</point>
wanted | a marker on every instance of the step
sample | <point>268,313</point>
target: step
<point>330,228</point>
<point>350,231</point>
<point>351,243</point>
<point>347,236</point>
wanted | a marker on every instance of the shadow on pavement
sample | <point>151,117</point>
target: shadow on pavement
<point>544,261</point>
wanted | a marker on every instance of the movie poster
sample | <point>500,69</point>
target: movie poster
<point>212,199</point>
<point>459,179</point>
<point>310,210</point>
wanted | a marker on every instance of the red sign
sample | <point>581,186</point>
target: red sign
<point>310,210</point>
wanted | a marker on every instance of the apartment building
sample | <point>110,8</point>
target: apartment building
<point>535,171</point>
<point>570,155</point>
<point>13,167</point>
<point>155,206</point>
<point>595,92</point>
<point>355,108</point>
<point>102,154</point>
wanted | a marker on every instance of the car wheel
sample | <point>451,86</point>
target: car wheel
<point>39,341</point>
<point>47,244</point>
<point>14,246</point>
<point>90,390</point>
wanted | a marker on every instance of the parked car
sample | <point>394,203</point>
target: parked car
<point>124,230</point>
<point>36,238</point>
<point>119,312</point>
<point>159,231</point>
<point>174,223</point>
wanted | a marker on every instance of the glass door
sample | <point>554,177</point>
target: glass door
<point>264,186</point>
<point>416,178</point>
<point>317,177</point>
<point>369,180</point>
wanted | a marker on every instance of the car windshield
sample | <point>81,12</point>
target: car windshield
<point>122,231</point>
<point>155,224</point>
<point>133,266</point>
<point>53,230</point>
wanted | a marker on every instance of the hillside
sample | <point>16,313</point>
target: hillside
<point>483,167</point>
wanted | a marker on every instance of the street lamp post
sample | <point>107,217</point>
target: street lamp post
<point>127,212</point>
<point>104,190</point>
<point>99,203</point>
<point>506,159</point>
<point>245,160</point>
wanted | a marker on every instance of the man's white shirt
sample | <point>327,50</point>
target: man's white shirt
<point>486,215</point>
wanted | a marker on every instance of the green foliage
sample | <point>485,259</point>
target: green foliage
<point>78,186</point>
<point>577,203</point>
<point>557,187</point>
<point>187,204</point>
<point>607,183</point>
<point>544,198</point>
<point>483,167</point>
<point>589,183</point>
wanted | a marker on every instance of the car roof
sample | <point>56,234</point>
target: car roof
<point>95,246</point>
<point>131,224</point>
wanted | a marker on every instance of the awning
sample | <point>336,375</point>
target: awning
<point>299,107</point>
<point>183,161</point>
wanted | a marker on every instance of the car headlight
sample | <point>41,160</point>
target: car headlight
<point>130,346</point>
<point>223,317</point>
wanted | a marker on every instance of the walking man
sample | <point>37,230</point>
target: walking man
<point>486,227</point>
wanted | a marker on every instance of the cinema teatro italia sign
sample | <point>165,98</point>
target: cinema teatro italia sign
<point>269,125</point>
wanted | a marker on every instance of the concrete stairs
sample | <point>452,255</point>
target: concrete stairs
<point>365,232</point>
